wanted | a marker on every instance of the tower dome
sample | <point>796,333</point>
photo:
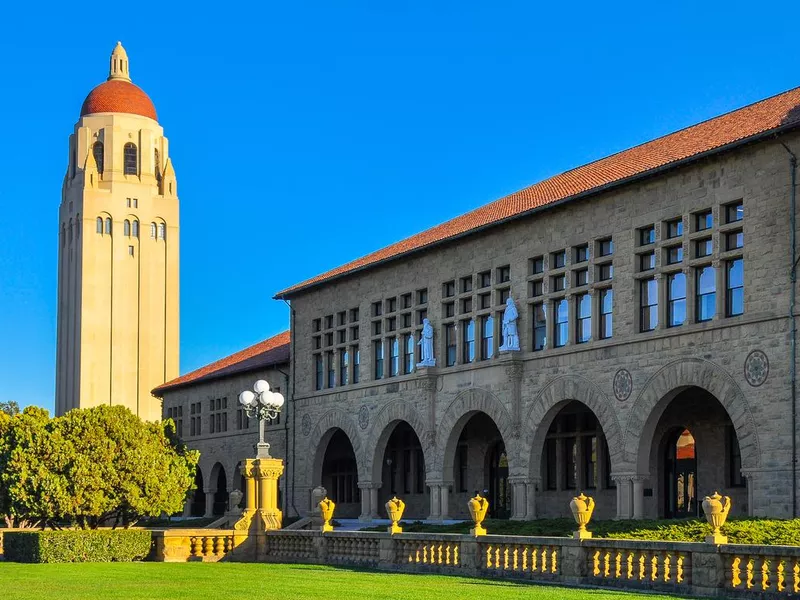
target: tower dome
<point>118,94</point>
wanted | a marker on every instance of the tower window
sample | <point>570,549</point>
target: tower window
<point>130,250</point>
<point>130,157</point>
<point>126,228</point>
<point>99,224</point>
<point>153,230</point>
<point>157,160</point>
<point>97,152</point>
<point>136,228</point>
<point>162,231</point>
<point>108,225</point>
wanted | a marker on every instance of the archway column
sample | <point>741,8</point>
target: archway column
<point>630,494</point>
<point>440,499</point>
<point>532,485</point>
<point>209,512</point>
<point>519,498</point>
<point>369,500</point>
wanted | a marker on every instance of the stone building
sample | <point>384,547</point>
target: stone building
<point>205,408</point>
<point>118,253</point>
<point>656,361</point>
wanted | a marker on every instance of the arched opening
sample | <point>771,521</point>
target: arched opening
<point>126,228</point>
<point>693,452</point>
<point>99,225</point>
<point>97,153</point>
<point>153,231</point>
<point>108,225</point>
<point>130,159</point>
<point>221,495</point>
<point>403,472</point>
<point>340,475</point>
<point>157,165</point>
<point>136,228</point>
<point>499,495</point>
<point>197,503</point>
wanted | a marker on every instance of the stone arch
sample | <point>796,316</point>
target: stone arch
<point>661,389</point>
<point>381,429</point>
<point>322,433</point>
<point>213,476</point>
<point>556,394</point>
<point>463,407</point>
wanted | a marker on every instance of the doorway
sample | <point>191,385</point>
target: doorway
<point>680,470</point>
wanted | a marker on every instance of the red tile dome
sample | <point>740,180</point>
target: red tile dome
<point>120,96</point>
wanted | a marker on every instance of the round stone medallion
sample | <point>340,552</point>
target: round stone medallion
<point>363,417</point>
<point>623,385</point>
<point>756,368</point>
<point>305,424</point>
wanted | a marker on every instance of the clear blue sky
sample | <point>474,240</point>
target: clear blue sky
<point>305,134</point>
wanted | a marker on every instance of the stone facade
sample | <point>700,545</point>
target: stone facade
<point>726,380</point>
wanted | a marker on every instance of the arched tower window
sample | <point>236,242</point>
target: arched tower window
<point>97,152</point>
<point>153,230</point>
<point>126,228</point>
<point>136,228</point>
<point>130,156</point>
<point>162,231</point>
<point>99,225</point>
<point>157,161</point>
<point>108,225</point>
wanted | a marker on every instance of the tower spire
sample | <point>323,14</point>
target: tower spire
<point>118,69</point>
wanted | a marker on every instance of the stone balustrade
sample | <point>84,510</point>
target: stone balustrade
<point>206,545</point>
<point>759,570</point>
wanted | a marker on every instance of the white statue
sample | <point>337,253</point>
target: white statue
<point>426,342</point>
<point>510,331</point>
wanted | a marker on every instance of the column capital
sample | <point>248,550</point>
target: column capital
<point>369,485</point>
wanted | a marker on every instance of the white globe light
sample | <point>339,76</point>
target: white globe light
<point>277,399</point>
<point>246,398</point>
<point>261,386</point>
<point>265,398</point>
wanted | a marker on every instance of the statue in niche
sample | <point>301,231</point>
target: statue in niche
<point>426,344</point>
<point>510,331</point>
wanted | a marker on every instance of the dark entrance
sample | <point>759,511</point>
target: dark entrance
<point>221,495</point>
<point>680,469</point>
<point>499,501</point>
<point>197,507</point>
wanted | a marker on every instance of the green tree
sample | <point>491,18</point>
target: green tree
<point>10,408</point>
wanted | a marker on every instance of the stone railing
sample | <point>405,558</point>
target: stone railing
<point>202,545</point>
<point>771,570</point>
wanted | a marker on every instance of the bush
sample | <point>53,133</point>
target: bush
<point>95,545</point>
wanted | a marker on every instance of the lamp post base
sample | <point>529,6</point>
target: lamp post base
<point>262,450</point>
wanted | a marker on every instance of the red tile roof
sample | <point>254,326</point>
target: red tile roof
<point>270,352</point>
<point>775,113</point>
<point>121,97</point>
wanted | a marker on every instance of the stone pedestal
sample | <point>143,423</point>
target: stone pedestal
<point>267,471</point>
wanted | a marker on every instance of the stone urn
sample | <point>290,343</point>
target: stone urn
<point>478,507</point>
<point>395,508</point>
<point>582,508</point>
<point>716,508</point>
<point>326,506</point>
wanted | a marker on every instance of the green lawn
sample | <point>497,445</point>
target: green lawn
<point>253,581</point>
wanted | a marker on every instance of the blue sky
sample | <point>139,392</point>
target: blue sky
<point>306,134</point>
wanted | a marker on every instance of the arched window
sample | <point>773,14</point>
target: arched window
<point>97,151</point>
<point>130,157</point>
<point>157,161</point>
<point>108,225</point>
<point>136,228</point>
<point>99,225</point>
<point>162,231</point>
<point>153,230</point>
<point>126,228</point>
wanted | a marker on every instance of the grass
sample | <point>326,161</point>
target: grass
<point>211,581</point>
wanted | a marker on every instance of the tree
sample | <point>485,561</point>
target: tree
<point>10,408</point>
<point>92,466</point>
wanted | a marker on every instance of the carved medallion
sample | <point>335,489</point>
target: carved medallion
<point>623,385</point>
<point>305,425</point>
<point>363,417</point>
<point>756,368</point>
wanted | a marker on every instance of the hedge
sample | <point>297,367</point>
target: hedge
<point>92,545</point>
<point>739,530</point>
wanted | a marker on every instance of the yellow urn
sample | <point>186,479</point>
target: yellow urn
<point>582,508</point>
<point>326,507</point>
<point>395,508</point>
<point>478,507</point>
<point>716,509</point>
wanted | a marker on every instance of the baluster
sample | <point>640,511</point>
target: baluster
<point>544,560</point>
<point>488,557</point>
<point>641,567</point>
<point>630,565</point>
<point>554,561</point>
<point>208,546</point>
<point>679,569</point>
<point>781,579</point>
<point>796,577</point>
<point>505,558</point>
<point>749,569</point>
<point>654,568</point>
<point>667,566</point>
<point>447,554</point>
<point>456,550</point>
<point>219,545</point>
<point>765,575</point>
<point>516,558</point>
<point>596,563</point>
<point>606,563</point>
<point>618,565</point>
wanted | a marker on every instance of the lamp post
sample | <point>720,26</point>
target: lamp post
<point>264,405</point>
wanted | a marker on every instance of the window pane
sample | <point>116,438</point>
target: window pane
<point>735,288</point>
<point>606,314</point>
<point>706,296</point>
<point>677,299</point>
<point>584,330</point>
<point>539,326</point>
<point>561,325</point>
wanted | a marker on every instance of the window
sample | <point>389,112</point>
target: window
<point>537,288</point>
<point>450,344</point>
<point>581,277</point>
<point>342,336</point>
<point>394,356</point>
<point>318,371</point>
<point>136,229</point>
<point>675,228</point>
<point>162,231</point>
<point>391,323</point>
<point>485,279</point>
<point>341,317</point>
<point>503,296</point>
<point>130,251</point>
<point>647,262</point>
<point>449,289</point>
<point>126,228</point>
<point>108,225</point>
<point>377,327</point>
<point>405,300</point>
<point>537,265</point>
<point>706,293</point>
<point>485,300</point>
<point>469,341</point>
<point>539,327</point>
<point>408,357</point>
<point>734,287</point>
<point>605,272</point>
<point>344,360</point>
<point>391,305</point>
<point>676,299</point>
<point>674,255</point>
<point>558,259</point>
<point>466,305</point>
<point>561,309</point>
<point>128,202</point>
<point>734,240</point>
<point>449,309</point>
<point>377,309</point>
<point>406,319</point>
<point>734,212</point>
<point>354,315</point>
<point>153,231</point>
<point>647,235</point>
<point>583,329</point>
<point>703,248</point>
<point>356,364</point>
<point>422,296</point>
<point>130,159</point>
<point>558,283</point>
<point>703,221</point>
<point>331,369</point>
<point>606,314</point>
<point>466,284</point>
<point>648,303</point>
<point>582,253</point>
<point>99,226</point>
<point>504,274</point>
<point>487,337</point>
<point>99,157</point>
<point>605,247</point>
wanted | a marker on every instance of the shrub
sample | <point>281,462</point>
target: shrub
<point>95,545</point>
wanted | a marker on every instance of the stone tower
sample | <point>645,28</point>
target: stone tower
<point>118,253</point>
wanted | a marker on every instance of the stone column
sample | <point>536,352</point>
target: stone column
<point>187,508</point>
<point>268,470</point>
<point>444,498</point>
<point>519,507</point>
<point>248,472</point>
<point>531,487</point>
<point>638,496</point>
<point>624,495</point>
<point>209,504</point>
<point>436,506</point>
<point>373,500</point>
<point>365,516</point>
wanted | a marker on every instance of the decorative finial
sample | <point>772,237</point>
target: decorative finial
<point>118,68</point>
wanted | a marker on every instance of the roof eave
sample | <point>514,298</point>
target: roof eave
<point>160,390</point>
